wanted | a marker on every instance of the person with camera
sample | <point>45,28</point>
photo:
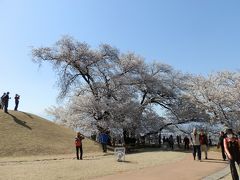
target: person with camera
<point>17,97</point>
<point>78,144</point>
<point>5,102</point>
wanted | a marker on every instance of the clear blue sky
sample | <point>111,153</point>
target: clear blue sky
<point>193,36</point>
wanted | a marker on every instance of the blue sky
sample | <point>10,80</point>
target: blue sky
<point>195,36</point>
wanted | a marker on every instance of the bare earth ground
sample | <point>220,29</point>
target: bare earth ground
<point>147,165</point>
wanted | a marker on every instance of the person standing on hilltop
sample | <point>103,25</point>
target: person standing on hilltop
<point>5,102</point>
<point>78,143</point>
<point>2,99</point>
<point>17,97</point>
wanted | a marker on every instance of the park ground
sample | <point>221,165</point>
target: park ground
<point>32,148</point>
<point>151,164</point>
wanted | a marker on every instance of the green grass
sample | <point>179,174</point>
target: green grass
<point>24,134</point>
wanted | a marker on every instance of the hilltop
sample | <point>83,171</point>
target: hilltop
<point>25,134</point>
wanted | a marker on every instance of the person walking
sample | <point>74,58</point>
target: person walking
<point>17,97</point>
<point>196,144</point>
<point>78,144</point>
<point>203,142</point>
<point>221,144</point>
<point>186,143</point>
<point>231,147</point>
<point>104,139</point>
<point>178,141</point>
<point>171,142</point>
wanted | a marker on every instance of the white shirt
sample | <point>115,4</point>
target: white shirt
<point>195,139</point>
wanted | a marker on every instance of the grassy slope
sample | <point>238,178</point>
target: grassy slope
<point>24,134</point>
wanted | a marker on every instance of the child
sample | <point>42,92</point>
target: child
<point>231,147</point>
<point>78,143</point>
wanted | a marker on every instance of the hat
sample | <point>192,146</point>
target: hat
<point>229,131</point>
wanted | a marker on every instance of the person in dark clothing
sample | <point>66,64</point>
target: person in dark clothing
<point>109,138</point>
<point>231,147</point>
<point>2,100</point>
<point>78,144</point>
<point>178,140</point>
<point>221,144</point>
<point>104,139</point>
<point>164,139</point>
<point>17,97</point>
<point>5,102</point>
<point>171,142</point>
<point>160,139</point>
<point>186,143</point>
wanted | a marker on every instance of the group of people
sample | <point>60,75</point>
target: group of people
<point>170,141</point>
<point>5,101</point>
<point>200,144</point>
<point>229,143</point>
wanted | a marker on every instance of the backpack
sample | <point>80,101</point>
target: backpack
<point>78,142</point>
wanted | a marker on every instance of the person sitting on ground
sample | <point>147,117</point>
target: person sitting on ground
<point>78,144</point>
<point>231,147</point>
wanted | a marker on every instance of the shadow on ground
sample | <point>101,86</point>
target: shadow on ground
<point>27,114</point>
<point>211,160</point>
<point>20,122</point>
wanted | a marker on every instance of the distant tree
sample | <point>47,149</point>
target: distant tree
<point>219,95</point>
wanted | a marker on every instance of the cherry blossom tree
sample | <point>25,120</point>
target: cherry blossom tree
<point>120,91</point>
<point>219,95</point>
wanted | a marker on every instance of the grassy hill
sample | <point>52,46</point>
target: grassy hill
<point>24,134</point>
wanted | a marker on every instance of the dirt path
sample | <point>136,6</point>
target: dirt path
<point>146,165</point>
<point>185,169</point>
<point>92,165</point>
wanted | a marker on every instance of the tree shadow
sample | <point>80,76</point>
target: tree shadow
<point>20,122</point>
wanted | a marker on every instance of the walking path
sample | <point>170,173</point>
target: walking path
<point>184,169</point>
